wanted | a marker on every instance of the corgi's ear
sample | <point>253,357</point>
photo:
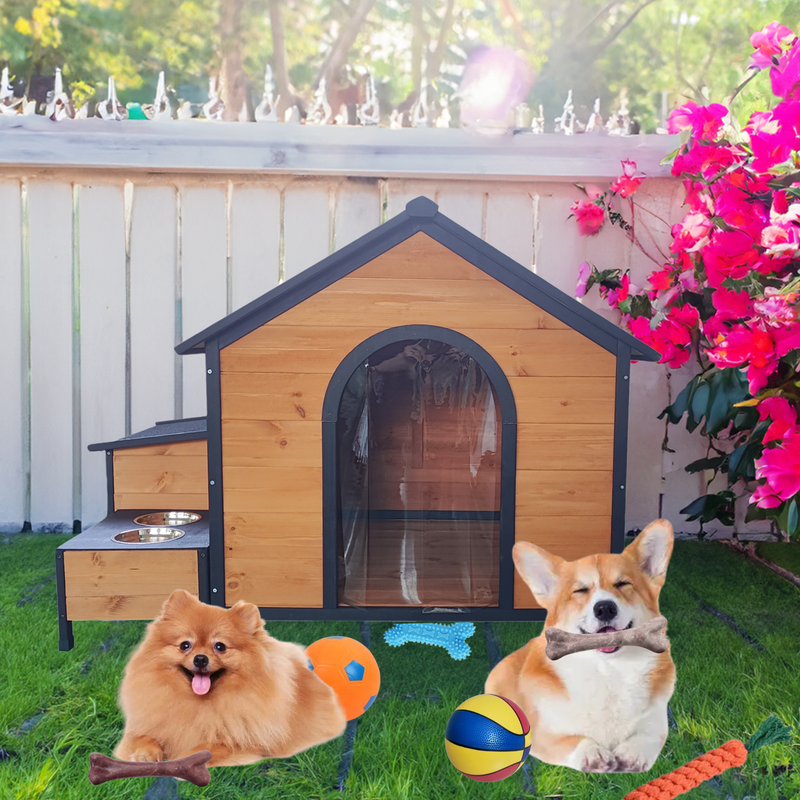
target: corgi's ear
<point>247,616</point>
<point>538,568</point>
<point>177,602</point>
<point>652,549</point>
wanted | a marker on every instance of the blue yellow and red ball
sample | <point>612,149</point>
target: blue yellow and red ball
<point>488,737</point>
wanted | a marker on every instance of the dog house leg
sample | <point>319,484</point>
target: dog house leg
<point>65,638</point>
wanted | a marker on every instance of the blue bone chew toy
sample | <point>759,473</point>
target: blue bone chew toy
<point>452,637</point>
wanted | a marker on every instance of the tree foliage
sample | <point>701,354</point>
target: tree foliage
<point>659,50</point>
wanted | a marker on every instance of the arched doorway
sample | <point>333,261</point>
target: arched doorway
<point>419,443</point>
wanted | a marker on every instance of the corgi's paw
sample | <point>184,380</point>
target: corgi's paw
<point>633,756</point>
<point>589,756</point>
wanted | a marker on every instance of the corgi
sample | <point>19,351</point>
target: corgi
<point>601,710</point>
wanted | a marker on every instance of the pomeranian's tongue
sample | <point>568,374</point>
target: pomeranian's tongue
<point>201,684</point>
<point>607,629</point>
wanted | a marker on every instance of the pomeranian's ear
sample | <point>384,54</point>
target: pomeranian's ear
<point>652,549</point>
<point>247,616</point>
<point>539,569</point>
<point>178,602</point>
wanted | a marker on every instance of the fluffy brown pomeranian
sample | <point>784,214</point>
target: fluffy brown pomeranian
<point>209,678</point>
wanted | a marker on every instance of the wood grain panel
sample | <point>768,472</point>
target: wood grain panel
<point>564,400</point>
<point>567,536</point>
<point>169,476</point>
<point>276,396</point>
<point>285,489</point>
<point>370,302</point>
<point>538,352</point>
<point>274,559</point>
<point>261,443</point>
<point>565,447</point>
<point>115,584</point>
<point>553,492</point>
<point>420,258</point>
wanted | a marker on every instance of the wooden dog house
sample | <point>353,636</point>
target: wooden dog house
<point>381,429</point>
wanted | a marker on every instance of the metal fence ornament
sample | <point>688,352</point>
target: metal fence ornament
<point>162,108</point>
<point>267,109</point>
<point>537,123</point>
<point>214,107</point>
<point>111,108</point>
<point>619,123</point>
<point>321,112</point>
<point>8,103</point>
<point>370,113</point>
<point>566,122</point>
<point>59,106</point>
<point>595,123</point>
<point>420,115</point>
<point>444,118</point>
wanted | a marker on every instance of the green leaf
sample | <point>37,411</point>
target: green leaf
<point>710,507</point>
<point>681,404</point>
<point>793,517</point>
<point>640,306</point>
<point>705,463</point>
<point>699,406</point>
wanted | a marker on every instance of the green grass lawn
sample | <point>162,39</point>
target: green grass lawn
<point>735,632</point>
<point>784,554</point>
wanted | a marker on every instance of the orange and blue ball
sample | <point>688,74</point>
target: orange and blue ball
<point>488,738</point>
<point>349,668</point>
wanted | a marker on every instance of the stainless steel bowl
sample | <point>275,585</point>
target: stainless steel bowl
<point>149,535</point>
<point>167,518</point>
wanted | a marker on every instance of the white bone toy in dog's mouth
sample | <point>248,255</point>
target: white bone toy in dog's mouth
<point>651,636</point>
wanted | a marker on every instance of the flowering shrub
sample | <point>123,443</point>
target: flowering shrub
<point>727,294</point>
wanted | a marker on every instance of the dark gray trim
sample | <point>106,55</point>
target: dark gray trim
<point>184,419</point>
<point>424,216</point>
<point>216,519</point>
<point>203,587</point>
<point>330,466</point>
<point>405,614</point>
<point>110,481</point>
<point>66,641</point>
<point>620,468</point>
<point>164,432</point>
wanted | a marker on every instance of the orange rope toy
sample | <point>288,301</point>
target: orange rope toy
<point>698,770</point>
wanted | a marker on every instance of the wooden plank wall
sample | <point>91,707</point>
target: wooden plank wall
<point>417,282</point>
<point>166,477</point>
<point>112,584</point>
<point>273,226</point>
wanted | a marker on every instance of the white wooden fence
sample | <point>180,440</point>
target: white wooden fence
<point>119,240</point>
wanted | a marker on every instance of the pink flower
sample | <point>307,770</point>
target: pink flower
<point>627,183</point>
<point>783,416</point>
<point>584,271</point>
<point>590,217</point>
<point>705,121</point>
<point>617,296</point>
<point>776,308</point>
<point>709,161</point>
<point>691,233</point>
<point>732,305</point>
<point>765,497</point>
<point>785,76</point>
<point>769,42</point>
<point>753,347</point>
<point>773,135</point>
<point>780,240</point>
<point>731,254</point>
<point>780,467</point>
